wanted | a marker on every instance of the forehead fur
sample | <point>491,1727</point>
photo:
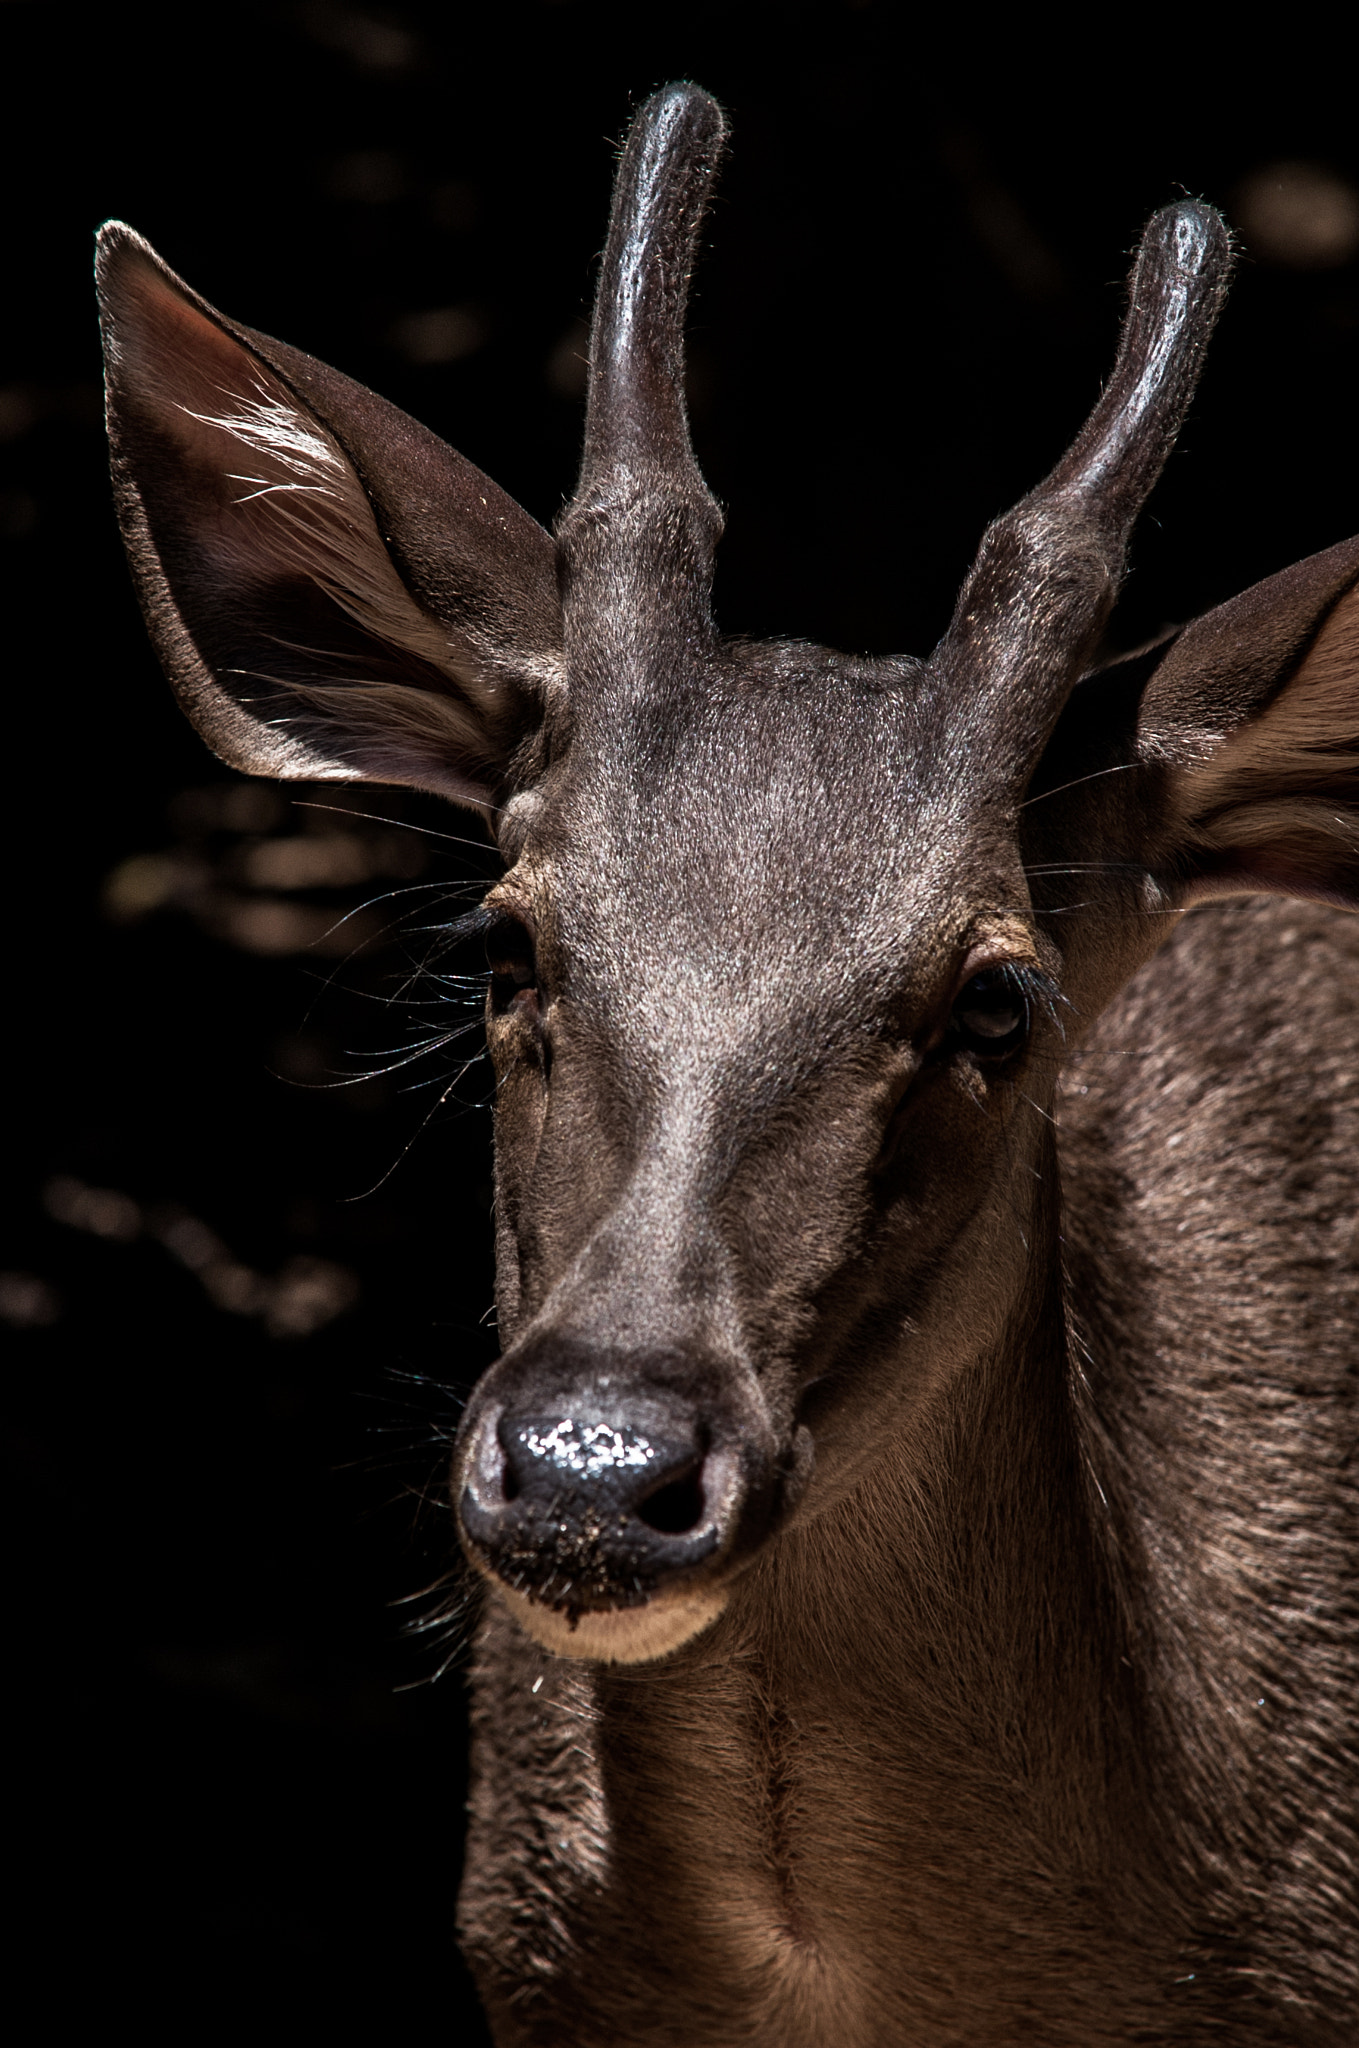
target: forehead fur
<point>783,815</point>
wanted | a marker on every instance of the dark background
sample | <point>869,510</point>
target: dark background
<point>241,1303</point>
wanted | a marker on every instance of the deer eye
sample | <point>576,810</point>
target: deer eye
<point>514,971</point>
<point>991,1015</point>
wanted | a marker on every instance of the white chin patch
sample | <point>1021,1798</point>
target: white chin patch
<point>626,1635</point>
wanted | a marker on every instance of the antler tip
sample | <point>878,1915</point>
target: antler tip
<point>683,93</point>
<point>1192,235</point>
<point>683,108</point>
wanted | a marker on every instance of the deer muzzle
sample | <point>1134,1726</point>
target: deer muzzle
<point>611,1513</point>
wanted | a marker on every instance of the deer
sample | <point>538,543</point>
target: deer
<point>916,1498</point>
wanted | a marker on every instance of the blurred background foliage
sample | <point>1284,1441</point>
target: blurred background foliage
<point>246,1274</point>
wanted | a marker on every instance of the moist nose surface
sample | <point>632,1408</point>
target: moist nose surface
<point>588,1512</point>
<point>619,1466</point>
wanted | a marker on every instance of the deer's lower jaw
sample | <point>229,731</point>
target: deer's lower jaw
<point>622,1635</point>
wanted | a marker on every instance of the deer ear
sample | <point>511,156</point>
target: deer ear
<point>333,591</point>
<point>1249,731</point>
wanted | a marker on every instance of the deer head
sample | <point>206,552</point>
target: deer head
<point>786,954</point>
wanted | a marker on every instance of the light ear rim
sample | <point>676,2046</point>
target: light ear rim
<point>435,490</point>
<point>242,737</point>
<point>246,741</point>
<point>1299,882</point>
<point>1226,667</point>
<point>233,735</point>
<point>1167,763</point>
<point>1257,793</point>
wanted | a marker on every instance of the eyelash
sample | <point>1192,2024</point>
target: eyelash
<point>512,962</point>
<point>1025,989</point>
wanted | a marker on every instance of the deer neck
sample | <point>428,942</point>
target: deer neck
<point>907,1745</point>
<point>904,1709</point>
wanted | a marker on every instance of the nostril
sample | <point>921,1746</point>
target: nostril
<point>675,1508</point>
<point>491,1481</point>
<point>588,1510</point>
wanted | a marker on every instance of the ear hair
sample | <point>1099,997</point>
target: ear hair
<point>301,638</point>
<point>1245,728</point>
<point>395,732</point>
<point>1276,806</point>
<point>318,521</point>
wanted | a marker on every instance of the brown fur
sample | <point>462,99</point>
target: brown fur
<point>918,1496</point>
<point>995,1752</point>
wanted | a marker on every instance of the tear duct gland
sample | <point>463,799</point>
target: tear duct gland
<point>852,1391</point>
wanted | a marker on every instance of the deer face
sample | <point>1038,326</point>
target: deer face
<point>763,1107</point>
<point>785,956</point>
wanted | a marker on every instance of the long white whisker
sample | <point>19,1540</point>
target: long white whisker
<point>1094,776</point>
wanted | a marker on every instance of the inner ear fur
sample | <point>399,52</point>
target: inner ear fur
<point>1249,731</point>
<point>334,593</point>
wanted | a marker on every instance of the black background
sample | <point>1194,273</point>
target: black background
<point>242,1793</point>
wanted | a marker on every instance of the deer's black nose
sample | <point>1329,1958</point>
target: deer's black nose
<point>618,1471</point>
<point>589,1510</point>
